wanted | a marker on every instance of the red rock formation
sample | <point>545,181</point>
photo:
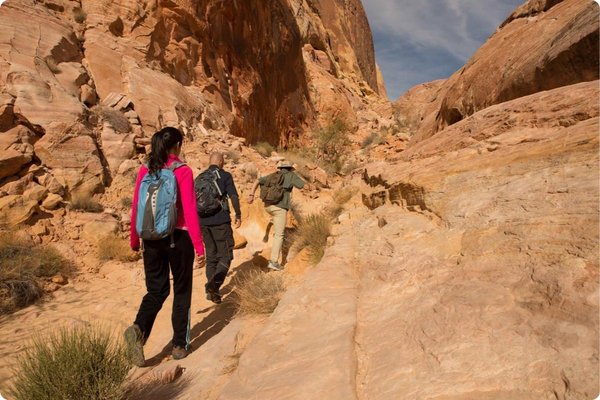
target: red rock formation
<point>482,284</point>
<point>541,46</point>
<point>412,106</point>
<point>205,66</point>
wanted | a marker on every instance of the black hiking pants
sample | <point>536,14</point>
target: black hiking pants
<point>218,245</point>
<point>159,258</point>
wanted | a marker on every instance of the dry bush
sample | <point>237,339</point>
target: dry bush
<point>76,363</point>
<point>252,173</point>
<point>332,145</point>
<point>22,264</point>
<point>259,292</point>
<point>312,233</point>
<point>126,202</point>
<point>342,195</point>
<point>115,118</point>
<point>234,156</point>
<point>52,65</point>
<point>79,15</point>
<point>113,247</point>
<point>86,203</point>
<point>349,166</point>
<point>264,149</point>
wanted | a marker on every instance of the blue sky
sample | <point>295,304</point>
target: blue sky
<point>419,41</point>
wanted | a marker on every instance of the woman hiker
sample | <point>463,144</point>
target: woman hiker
<point>173,253</point>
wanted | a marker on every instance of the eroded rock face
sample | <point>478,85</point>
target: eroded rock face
<point>411,108</point>
<point>271,72</point>
<point>542,46</point>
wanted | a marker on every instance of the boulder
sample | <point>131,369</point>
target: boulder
<point>52,184</point>
<point>35,192</point>
<point>52,201</point>
<point>15,210</point>
<point>74,161</point>
<point>17,186</point>
<point>97,226</point>
<point>117,147</point>
<point>16,150</point>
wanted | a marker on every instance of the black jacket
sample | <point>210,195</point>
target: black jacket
<point>229,191</point>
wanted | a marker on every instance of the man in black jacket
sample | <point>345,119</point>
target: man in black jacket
<point>216,230</point>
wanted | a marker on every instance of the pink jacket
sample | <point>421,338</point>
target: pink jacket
<point>186,201</point>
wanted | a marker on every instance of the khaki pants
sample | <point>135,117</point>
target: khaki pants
<point>279,219</point>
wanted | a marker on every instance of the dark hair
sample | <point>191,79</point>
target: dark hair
<point>162,141</point>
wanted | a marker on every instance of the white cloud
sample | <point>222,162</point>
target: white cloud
<point>421,40</point>
<point>450,25</point>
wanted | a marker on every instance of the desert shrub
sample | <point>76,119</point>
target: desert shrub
<point>252,173</point>
<point>312,233</point>
<point>52,65</point>
<point>234,156</point>
<point>113,247</point>
<point>79,15</point>
<point>75,363</point>
<point>349,166</point>
<point>86,203</point>
<point>126,202</point>
<point>264,149</point>
<point>115,118</point>
<point>258,292</point>
<point>22,264</point>
<point>367,141</point>
<point>332,145</point>
<point>342,195</point>
<point>375,138</point>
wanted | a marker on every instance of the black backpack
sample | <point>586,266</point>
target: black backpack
<point>208,194</point>
<point>271,192</point>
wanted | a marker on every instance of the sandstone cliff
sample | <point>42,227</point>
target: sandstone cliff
<point>97,78</point>
<point>464,266</point>
<point>542,45</point>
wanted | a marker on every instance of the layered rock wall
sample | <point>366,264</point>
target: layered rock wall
<point>87,83</point>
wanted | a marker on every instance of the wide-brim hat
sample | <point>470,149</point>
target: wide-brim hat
<point>285,164</point>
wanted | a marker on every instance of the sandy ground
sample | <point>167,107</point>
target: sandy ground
<point>111,298</point>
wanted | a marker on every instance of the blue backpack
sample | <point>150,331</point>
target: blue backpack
<point>157,204</point>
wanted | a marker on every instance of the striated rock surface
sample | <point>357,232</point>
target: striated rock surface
<point>542,45</point>
<point>482,284</point>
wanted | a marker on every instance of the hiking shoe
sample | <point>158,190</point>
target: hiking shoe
<point>214,297</point>
<point>135,345</point>
<point>274,266</point>
<point>179,352</point>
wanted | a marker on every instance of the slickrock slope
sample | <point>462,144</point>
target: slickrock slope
<point>542,45</point>
<point>482,283</point>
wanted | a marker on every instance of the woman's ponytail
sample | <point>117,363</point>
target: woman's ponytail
<point>162,141</point>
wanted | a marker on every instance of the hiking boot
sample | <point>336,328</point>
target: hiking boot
<point>134,339</point>
<point>274,266</point>
<point>179,352</point>
<point>214,297</point>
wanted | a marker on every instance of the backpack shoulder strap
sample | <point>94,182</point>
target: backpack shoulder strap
<point>175,164</point>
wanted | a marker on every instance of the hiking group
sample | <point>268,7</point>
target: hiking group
<point>177,219</point>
